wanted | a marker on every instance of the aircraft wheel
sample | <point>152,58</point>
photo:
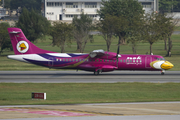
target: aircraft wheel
<point>96,72</point>
<point>162,72</point>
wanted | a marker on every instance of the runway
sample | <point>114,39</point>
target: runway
<point>88,77</point>
<point>125,111</point>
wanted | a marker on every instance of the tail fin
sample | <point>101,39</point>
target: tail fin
<point>21,45</point>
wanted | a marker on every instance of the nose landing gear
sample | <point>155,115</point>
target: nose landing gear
<point>162,72</point>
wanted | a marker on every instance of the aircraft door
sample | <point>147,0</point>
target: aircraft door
<point>148,60</point>
<point>51,62</point>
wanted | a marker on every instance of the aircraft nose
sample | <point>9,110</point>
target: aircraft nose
<point>167,65</point>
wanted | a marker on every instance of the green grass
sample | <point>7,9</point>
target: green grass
<point>99,43</point>
<point>73,93</point>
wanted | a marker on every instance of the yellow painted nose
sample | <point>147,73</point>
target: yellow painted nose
<point>167,65</point>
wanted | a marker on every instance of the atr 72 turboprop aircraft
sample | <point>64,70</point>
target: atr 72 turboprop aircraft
<point>96,61</point>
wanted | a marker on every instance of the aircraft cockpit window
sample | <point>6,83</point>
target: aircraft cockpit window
<point>162,59</point>
<point>159,58</point>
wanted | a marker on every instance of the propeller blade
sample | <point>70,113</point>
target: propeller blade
<point>118,49</point>
<point>117,52</point>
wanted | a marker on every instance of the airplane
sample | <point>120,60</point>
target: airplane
<point>96,61</point>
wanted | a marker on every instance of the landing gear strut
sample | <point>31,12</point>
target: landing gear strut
<point>96,72</point>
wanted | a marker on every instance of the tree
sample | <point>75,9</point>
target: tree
<point>164,25</point>
<point>5,41</point>
<point>6,3</point>
<point>106,28</point>
<point>136,34</point>
<point>176,8</point>
<point>33,25</point>
<point>152,29</point>
<point>29,4</point>
<point>170,29</point>
<point>125,12</point>
<point>61,34</point>
<point>81,31</point>
<point>167,5</point>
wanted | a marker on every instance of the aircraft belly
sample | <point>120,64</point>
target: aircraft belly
<point>133,67</point>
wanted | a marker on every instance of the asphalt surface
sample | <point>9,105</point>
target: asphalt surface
<point>88,77</point>
<point>125,111</point>
<point>106,111</point>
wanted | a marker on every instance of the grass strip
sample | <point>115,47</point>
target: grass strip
<point>74,93</point>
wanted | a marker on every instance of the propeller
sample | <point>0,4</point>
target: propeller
<point>117,52</point>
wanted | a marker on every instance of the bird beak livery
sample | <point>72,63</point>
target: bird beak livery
<point>164,65</point>
<point>96,61</point>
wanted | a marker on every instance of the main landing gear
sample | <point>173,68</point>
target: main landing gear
<point>97,72</point>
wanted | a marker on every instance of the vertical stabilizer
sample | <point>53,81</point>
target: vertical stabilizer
<point>21,45</point>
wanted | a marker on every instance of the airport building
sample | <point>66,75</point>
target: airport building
<point>66,9</point>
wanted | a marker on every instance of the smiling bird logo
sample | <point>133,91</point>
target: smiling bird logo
<point>22,46</point>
